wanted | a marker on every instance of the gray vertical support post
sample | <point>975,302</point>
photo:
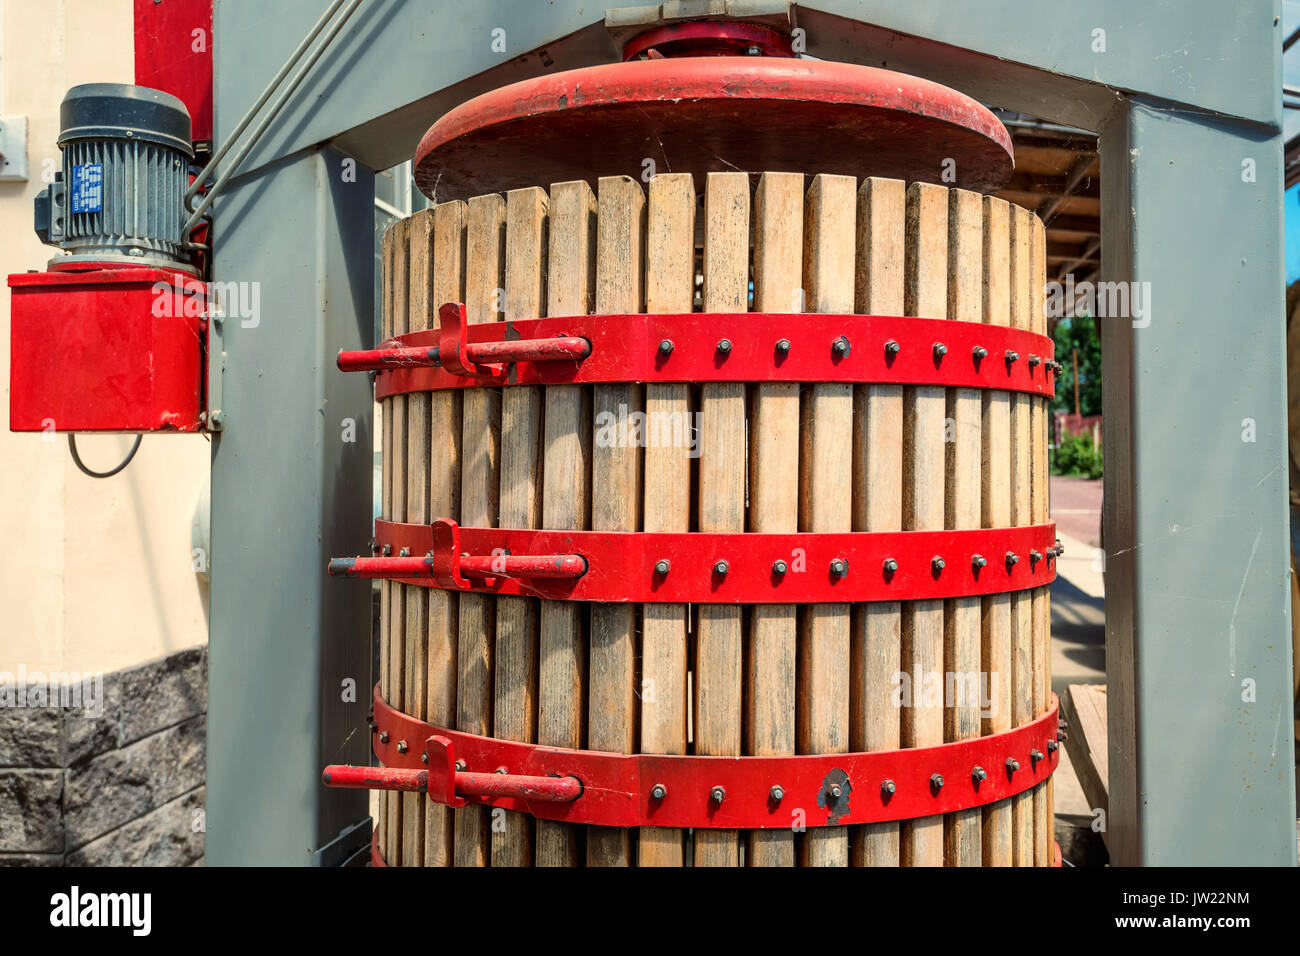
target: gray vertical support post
<point>1195,519</point>
<point>290,490</point>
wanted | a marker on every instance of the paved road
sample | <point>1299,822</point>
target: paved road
<point>1076,508</point>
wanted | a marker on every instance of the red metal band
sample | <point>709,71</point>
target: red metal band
<point>623,790</point>
<point>704,568</point>
<point>715,347</point>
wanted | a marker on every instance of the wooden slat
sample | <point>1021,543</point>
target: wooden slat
<point>420,314</point>
<point>877,499</point>
<point>962,837</point>
<point>925,295</point>
<point>386,798</point>
<point>770,704</point>
<point>397,600</point>
<point>721,490</point>
<point>480,482</point>
<point>1083,707</point>
<point>670,287</point>
<point>570,290</point>
<point>615,496</point>
<point>1022,814</point>
<point>515,709</point>
<point>996,513</point>
<point>1043,814</point>
<point>446,284</point>
<point>825,492</point>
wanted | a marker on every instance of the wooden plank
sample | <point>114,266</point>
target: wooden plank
<point>770,704</point>
<point>386,798</point>
<point>485,237</point>
<point>1083,707</point>
<point>925,295</point>
<point>420,313</point>
<point>1044,820</point>
<point>878,499</point>
<point>825,494</point>
<point>996,513</point>
<point>961,654</point>
<point>446,284</point>
<point>721,490</point>
<point>397,599</point>
<point>670,287</point>
<point>570,290</point>
<point>615,495</point>
<point>1022,668</point>
<point>515,664</point>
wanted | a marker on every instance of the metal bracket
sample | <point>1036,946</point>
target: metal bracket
<point>710,568</point>
<point>213,416</point>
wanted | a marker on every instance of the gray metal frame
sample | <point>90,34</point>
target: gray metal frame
<point>1195,518</point>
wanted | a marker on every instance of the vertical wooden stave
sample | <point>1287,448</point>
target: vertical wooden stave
<point>447,284</point>
<point>925,295</point>
<point>825,488</point>
<point>480,486</point>
<point>721,501</point>
<point>515,663</point>
<point>615,496</point>
<point>570,290</point>
<point>962,618</point>
<point>670,287</point>
<point>1044,823</point>
<point>771,662</point>
<point>386,798</point>
<point>418,435</point>
<point>877,500</point>
<point>996,513</point>
<point>1022,813</point>
<point>401,805</point>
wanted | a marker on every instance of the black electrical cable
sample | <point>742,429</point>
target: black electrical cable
<point>72,447</point>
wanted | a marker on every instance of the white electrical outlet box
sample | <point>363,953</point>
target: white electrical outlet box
<point>13,149</point>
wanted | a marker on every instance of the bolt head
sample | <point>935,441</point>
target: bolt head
<point>383,736</point>
<point>940,350</point>
<point>1051,746</point>
<point>936,781</point>
<point>890,565</point>
<point>405,553</point>
<point>834,791</point>
<point>892,347</point>
<point>777,793</point>
<point>936,564</point>
<point>980,352</point>
<point>460,765</point>
<point>401,747</point>
<point>721,567</point>
<point>1013,764</point>
<point>1012,356</point>
<point>978,561</point>
<point>779,567</point>
<point>658,791</point>
<point>724,346</point>
<point>666,347</point>
<point>1012,559</point>
<point>783,347</point>
<point>1035,755</point>
<point>424,757</point>
<point>1034,360</point>
<point>717,794</point>
<point>839,567</point>
<point>841,346</point>
<point>388,550</point>
<point>662,566</point>
<point>979,773</point>
<point>888,787</point>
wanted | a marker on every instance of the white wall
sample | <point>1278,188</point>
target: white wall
<point>95,575</point>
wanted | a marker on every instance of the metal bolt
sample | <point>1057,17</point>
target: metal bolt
<point>940,350</point>
<point>978,561</point>
<point>1035,755</point>
<point>841,346</point>
<point>460,766</point>
<point>658,791</point>
<point>936,564</point>
<point>936,781</point>
<point>724,346</point>
<point>779,567</point>
<point>424,757</point>
<point>839,567</point>
<point>404,553</point>
<point>388,550</point>
<point>501,770</point>
<point>1035,557</point>
<point>892,347</point>
<point>1052,745</point>
<point>783,347</point>
<point>401,746</point>
<point>721,567</point>
<point>980,352</point>
<point>1013,764</point>
<point>662,566</point>
<point>887,787</point>
<point>1012,356</point>
<point>1033,361</point>
<point>777,793</point>
<point>1012,560</point>
<point>978,774</point>
<point>890,565</point>
<point>666,347</point>
<point>753,51</point>
<point>383,736</point>
<point>834,791</point>
<point>717,794</point>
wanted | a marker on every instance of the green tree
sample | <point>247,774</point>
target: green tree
<point>1078,333</point>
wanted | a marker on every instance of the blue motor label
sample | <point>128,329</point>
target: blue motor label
<point>87,188</point>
